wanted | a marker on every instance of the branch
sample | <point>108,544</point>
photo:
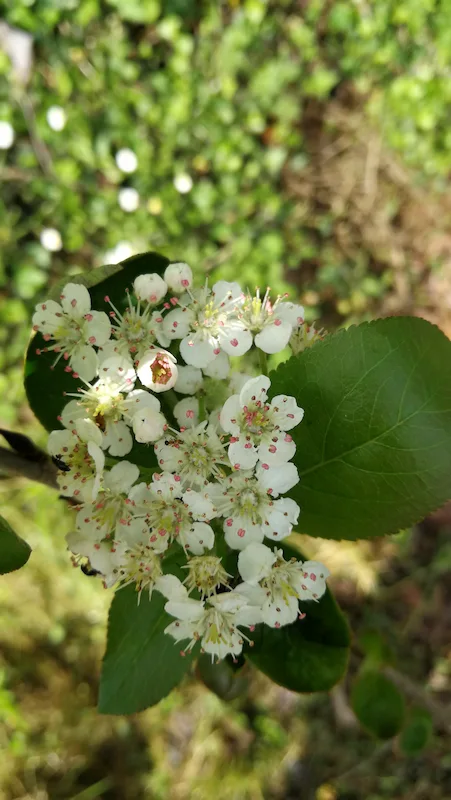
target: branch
<point>43,471</point>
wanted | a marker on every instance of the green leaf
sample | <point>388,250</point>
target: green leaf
<point>311,655</point>
<point>142,664</point>
<point>221,677</point>
<point>14,552</point>
<point>374,449</point>
<point>417,732</point>
<point>45,387</point>
<point>378,704</point>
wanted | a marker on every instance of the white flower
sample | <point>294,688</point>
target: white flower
<point>126,160</point>
<point>6,135</point>
<point>271,324</point>
<point>213,622</point>
<point>173,513</point>
<point>305,336</point>
<point>107,515</point>
<point>276,586</point>
<point>183,183</point>
<point>115,408</point>
<point>179,277</point>
<point>219,368</point>
<point>259,427</point>
<point>102,555</point>
<point>56,118</point>
<point>80,451</point>
<point>74,328</point>
<point>196,454</point>
<point>150,288</point>
<point>157,370</point>
<point>206,323</point>
<point>134,331</point>
<point>119,253</point>
<point>250,511</point>
<point>137,562</point>
<point>186,412</point>
<point>277,480</point>
<point>189,380</point>
<point>51,240</point>
<point>128,199</point>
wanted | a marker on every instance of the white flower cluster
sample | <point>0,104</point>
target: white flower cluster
<point>223,451</point>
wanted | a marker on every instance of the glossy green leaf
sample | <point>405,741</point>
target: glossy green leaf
<point>14,552</point>
<point>311,655</point>
<point>142,664</point>
<point>374,449</point>
<point>45,387</point>
<point>378,704</point>
<point>417,732</point>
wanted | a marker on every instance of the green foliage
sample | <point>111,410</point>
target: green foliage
<point>417,732</point>
<point>377,704</point>
<point>374,451</point>
<point>141,664</point>
<point>14,552</point>
<point>311,655</point>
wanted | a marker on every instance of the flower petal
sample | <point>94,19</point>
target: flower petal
<point>230,414</point>
<point>234,339</point>
<point>255,391</point>
<point>199,538</point>
<point>242,454</point>
<point>121,477</point>
<point>117,438</point>
<point>278,450</point>
<point>148,425</point>
<point>278,480</point>
<point>97,328</point>
<point>197,351</point>
<point>274,337</point>
<point>255,562</point>
<point>75,300</point>
<point>85,362</point>
<point>240,532</point>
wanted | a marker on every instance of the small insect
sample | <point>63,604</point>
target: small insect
<point>100,422</point>
<point>88,570</point>
<point>58,461</point>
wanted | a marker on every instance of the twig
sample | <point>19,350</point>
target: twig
<point>41,471</point>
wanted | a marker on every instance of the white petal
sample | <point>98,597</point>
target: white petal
<point>291,312</point>
<point>99,460</point>
<point>280,612</point>
<point>61,442</point>
<point>177,323</point>
<point>254,391</point>
<point>230,415</point>
<point>189,380</point>
<point>187,609</point>
<point>197,351</point>
<point>278,480</point>
<point>226,290</point>
<point>242,454</point>
<point>180,630</point>
<point>75,300</point>
<point>238,380</point>
<point>274,337</point>
<point>179,277</point>
<point>199,505</point>
<point>219,368</point>
<point>84,362</point>
<point>148,425</point>
<point>168,456</point>
<point>199,538</point>
<point>254,594</point>
<point>279,522</point>
<point>240,532</point>
<point>171,587</point>
<point>139,399</point>
<point>151,288</point>
<point>71,412</point>
<point>255,562</point>
<point>97,328</point>
<point>117,438</point>
<point>277,451</point>
<point>286,412</point>
<point>88,431</point>
<point>121,477</point>
<point>235,340</point>
<point>186,412</point>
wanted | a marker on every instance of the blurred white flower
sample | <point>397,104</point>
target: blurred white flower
<point>51,240</point>
<point>119,253</point>
<point>6,135</point>
<point>56,118</point>
<point>183,183</point>
<point>126,160</point>
<point>128,199</point>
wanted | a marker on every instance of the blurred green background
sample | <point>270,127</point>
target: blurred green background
<point>301,144</point>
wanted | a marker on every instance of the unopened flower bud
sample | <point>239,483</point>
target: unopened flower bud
<point>151,288</point>
<point>157,370</point>
<point>178,277</point>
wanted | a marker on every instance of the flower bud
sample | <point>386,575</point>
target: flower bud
<point>157,370</point>
<point>178,277</point>
<point>151,288</point>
